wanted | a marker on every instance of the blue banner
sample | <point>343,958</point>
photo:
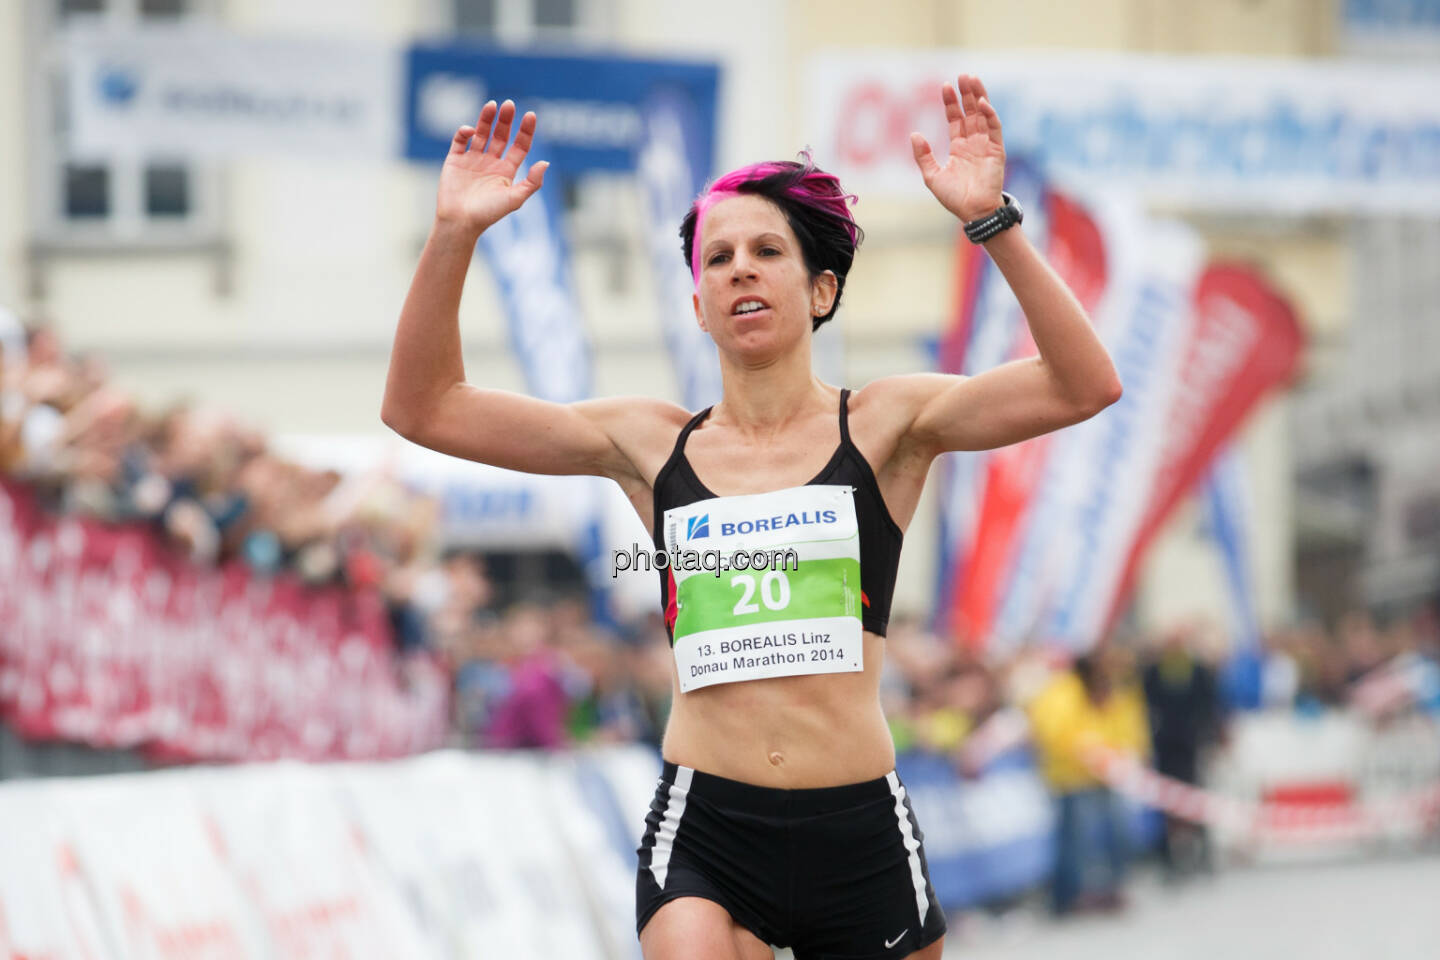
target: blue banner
<point>1226,512</point>
<point>591,109</point>
<point>671,181</point>
<point>1227,520</point>
<point>529,258</point>
<point>986,839</point>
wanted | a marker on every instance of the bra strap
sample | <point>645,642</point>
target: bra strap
<point>845,415</point>
<point>685,432</point>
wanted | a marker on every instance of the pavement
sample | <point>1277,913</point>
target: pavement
<point>1374,910</point>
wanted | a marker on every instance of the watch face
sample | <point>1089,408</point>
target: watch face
<point>1012,209</point>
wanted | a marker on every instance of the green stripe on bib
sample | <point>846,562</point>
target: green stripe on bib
<point>819,588</point>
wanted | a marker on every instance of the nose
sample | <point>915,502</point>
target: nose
<point>741,267</point>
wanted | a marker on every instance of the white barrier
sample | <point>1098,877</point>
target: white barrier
<point>443,856</point>
<point>1331,783</point>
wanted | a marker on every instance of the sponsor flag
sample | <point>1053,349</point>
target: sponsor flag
<point>1227,520</point>
<point>1085,504</point>
<point>1103,470</point>
<point>1075,248</point>
<point>982,335</point>
<point>1245,342</point>
<point>527,254</point>
<point>671,176</point>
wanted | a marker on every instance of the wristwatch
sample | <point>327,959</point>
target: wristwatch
<point>1004,217</point>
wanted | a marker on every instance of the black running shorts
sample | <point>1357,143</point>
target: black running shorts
<point>829,872</point>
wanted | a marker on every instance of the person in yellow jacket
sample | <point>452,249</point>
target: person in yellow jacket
<point>1093,704</point>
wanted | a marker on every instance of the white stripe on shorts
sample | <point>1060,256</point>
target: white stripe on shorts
<point>669,823</point>
<point>912,846</point>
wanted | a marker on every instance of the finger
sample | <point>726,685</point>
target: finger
<point>992,121</point>
<point>968,93</point>
<point>482,126</point>
<point>461,139</point>
<point>924,156</point>
<point>534,179</point>
<point>523,139</point>
<point>953,116</point>
<point>980,90</point>
<point>501,136</point>
<point>969,96</point>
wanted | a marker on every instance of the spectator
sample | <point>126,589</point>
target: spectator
<point>536,700</point>
<point>1089,706</point>
<point>1182,699</point>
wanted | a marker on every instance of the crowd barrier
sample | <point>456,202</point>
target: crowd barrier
<point>451,855</point>
<point>446,855</point>
<point>110,637</point>
<point>1328,783</point>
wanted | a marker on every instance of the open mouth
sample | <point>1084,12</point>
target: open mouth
<point>749,307</point>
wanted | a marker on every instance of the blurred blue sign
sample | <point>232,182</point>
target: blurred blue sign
<point>986,839</point>
<point>589,107</point>
<point>1393,14</point>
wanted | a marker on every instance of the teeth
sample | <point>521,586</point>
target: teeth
<point>749,306</point>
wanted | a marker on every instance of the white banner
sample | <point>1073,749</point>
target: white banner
<point>442,856</point>
<point>1093,493</point>
<point>186,90</point>
<point>1234,134</point>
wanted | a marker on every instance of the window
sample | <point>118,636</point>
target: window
<point>83,204</point>
<point>529,21</point>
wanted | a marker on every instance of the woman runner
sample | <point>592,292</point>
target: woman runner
<point>778,818</point>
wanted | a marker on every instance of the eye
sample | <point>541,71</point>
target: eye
<point>716,258</point>
<point>770,251</point>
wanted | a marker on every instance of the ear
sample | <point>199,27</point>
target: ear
<point>699,319</point>
<point>823,291</point>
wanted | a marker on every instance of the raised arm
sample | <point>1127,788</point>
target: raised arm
<point>427,399</point>
<point>1072,378</point>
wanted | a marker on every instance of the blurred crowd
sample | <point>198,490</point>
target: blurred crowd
<point>209,483</point>
<point>535,670</point>
<point>1162,702</point>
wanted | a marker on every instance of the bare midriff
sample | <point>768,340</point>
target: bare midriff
<point>816,730</point>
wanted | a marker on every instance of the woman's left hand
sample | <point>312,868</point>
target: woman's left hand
<point>969,182</point>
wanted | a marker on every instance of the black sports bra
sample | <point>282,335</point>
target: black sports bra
<point>676,485</point>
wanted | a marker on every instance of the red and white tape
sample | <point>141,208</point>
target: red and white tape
<point>1400,815</point>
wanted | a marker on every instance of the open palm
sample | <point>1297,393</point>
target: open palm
<point>477,183</point>
<point>969,181</point>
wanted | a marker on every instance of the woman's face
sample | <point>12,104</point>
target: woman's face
<point>749,256</point>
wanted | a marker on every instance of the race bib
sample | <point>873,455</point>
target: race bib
<point>796,611</point>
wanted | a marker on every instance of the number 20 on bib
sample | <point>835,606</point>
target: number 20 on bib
<point>784,620</point>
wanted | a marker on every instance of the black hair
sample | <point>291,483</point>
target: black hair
<point>815,207</point>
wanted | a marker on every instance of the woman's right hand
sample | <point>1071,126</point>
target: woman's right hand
<point>478,185</point>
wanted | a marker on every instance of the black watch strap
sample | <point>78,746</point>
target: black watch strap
<point>1005,216</point>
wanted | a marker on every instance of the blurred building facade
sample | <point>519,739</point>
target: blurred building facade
<point>271,288</point>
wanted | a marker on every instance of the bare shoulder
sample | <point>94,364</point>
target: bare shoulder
<point>885,410</point>
<point>640,413</point>
<point>903,393</point>
<point>642,429</point>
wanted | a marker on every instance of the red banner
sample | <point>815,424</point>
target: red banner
<point>1246,342</point>
<point>110,638</point>
<point>1076,250</point>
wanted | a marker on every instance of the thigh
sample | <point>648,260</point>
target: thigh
<point>692,928</point>
<point>933,952</point>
